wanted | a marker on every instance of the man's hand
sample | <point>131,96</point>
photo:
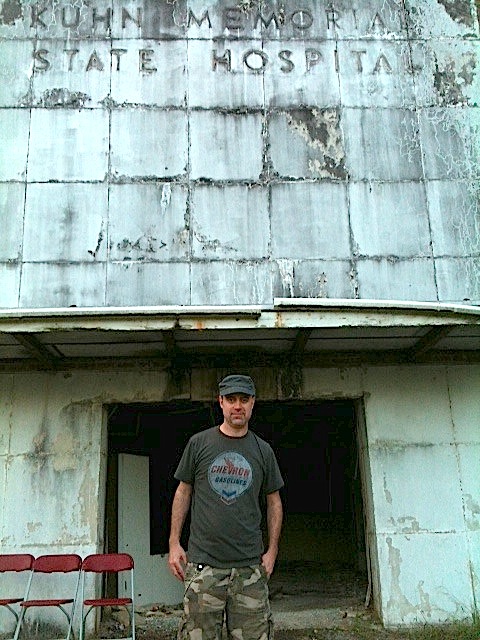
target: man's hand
<point>177,559</point>
<point>268,561</point>
<point>274,525</point>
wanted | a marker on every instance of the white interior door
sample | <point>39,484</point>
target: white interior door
<point>153,581</point>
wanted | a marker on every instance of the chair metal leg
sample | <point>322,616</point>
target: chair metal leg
<point>70,632</point>
<point>19,623</point>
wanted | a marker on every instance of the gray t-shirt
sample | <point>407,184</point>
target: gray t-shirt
<point>228,475</point>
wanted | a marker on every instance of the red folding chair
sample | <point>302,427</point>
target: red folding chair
<point>16,562</point>
<point>53,565</point>
<point>103,563</point>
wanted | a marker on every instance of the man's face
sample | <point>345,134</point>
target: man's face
<point>237,409</point>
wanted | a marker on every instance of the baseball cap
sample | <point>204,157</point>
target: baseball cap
<point>236,384</point>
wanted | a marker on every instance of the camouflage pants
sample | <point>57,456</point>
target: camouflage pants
<point>238,596</point>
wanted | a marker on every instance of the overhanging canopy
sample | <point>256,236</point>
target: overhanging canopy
<point>312,332</point>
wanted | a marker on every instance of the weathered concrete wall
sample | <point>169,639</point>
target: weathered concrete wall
<point>421,458</point>
<point>202,152</point>
<point>424,446</point>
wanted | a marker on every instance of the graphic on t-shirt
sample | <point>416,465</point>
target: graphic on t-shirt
<point>230,475</point>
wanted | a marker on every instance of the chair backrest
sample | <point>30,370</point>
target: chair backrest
<point>108,562</point>
<point>16,562</point>
<point>57,563</point>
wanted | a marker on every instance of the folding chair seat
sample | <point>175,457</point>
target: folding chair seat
<point>108,563</point>
<point>54,565</point>
<point>16,562</point>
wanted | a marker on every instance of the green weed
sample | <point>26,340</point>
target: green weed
<point>449,632</point>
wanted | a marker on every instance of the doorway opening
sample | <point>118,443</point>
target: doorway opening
<point>321,563</point>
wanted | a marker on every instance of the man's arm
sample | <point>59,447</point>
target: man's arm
<point>177,558</point>
<point>274,527</point>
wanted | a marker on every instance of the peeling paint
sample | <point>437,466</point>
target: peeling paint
<point>182,237</point>
<point>472,505</point>
<point>322,285</point>
<point>472,518</point>
<point>397,600</point>
<point>462,132</point>
<point>10,12</point>
<point>406,611</point>
<point>211,244</point>
<point>425,606</point>
<point>451,80</point>
<point>413,525</point>
<point>166,197</point>
<point>320,129</point>
<point>286,268</point>
<point>459,10</point>
<point>63,98</point>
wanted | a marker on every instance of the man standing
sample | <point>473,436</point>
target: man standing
<point>224,475</point>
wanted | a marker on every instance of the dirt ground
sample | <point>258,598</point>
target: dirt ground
<point>356,629</point>
<point>337,623</point>
<point>326,624</point>
<point>307,604</point>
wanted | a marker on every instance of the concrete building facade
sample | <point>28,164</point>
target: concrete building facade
<point>290,188</point>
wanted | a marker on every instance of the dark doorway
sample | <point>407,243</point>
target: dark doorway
<point>322,551</point>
